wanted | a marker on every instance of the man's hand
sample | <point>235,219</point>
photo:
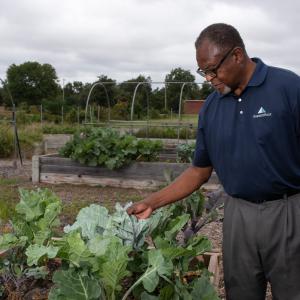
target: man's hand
<point>189,181</point>
<point>141,210</point>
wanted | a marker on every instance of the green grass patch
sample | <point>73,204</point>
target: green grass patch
<point>9,197</point>
<point>28,136</point>
<point>9,181</point>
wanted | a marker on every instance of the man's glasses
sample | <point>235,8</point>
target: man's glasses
<point>213,72</point>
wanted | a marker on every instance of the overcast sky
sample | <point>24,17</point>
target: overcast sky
<point>83,39</point>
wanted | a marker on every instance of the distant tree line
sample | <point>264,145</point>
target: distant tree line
<point>32,83</point>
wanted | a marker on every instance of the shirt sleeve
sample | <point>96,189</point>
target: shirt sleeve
<point>201,157</point>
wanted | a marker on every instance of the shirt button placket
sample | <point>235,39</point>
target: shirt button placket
<point>241,111</point>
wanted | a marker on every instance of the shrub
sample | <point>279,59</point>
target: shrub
<point>154,114</point>
<point>6,141</point>
<point>59,129</point>
<point>120,111</point>
<point>166,133</point>
<point>30,135</point>
<point>72,115</point>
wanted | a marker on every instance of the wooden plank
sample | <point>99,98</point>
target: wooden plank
<point>35,169</point>
<point>214,268</point>
<point>212,261</point>
<point>132,173</point>
<point>135,170</point>
<point>138,172</point>
<point>53,178</point>
<point>57,160</point>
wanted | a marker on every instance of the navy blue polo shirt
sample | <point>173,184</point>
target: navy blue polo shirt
<point>253,141</point>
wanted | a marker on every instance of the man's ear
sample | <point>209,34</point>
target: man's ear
<point>239,55</point>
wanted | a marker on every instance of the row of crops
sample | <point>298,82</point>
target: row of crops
<point>104,255</point>
<point>107,147</point>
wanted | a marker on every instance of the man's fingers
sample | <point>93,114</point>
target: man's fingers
<point>130,210</point>
<point>135,209</point>
<point>140,210</point>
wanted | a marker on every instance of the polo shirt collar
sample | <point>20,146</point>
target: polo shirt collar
<point>257,78</point>
<point>259,74</point>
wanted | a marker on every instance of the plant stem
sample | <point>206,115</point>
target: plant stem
<point>138,282</point>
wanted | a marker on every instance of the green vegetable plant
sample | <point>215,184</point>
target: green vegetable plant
<point>185,152</point>
<point>107,147</point>
<point>105,256</point>
<point>29,246</point>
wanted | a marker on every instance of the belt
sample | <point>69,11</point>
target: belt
<point>275,197</point>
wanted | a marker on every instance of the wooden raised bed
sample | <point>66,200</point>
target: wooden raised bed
<point>141,175</point>
<point>212,261</point>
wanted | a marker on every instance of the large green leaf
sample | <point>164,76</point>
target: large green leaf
<point>157,265</point>
<point>78,250</point>
<point>74,285</point>
<point>175,226</point>
<point>182,290</point>
<point>199,244</point>
<point>168,293</point>
<point>90,220</point>
<point>98,245</point>
<point>35,252</point>
<point>202,289</point>
<point>146,296</point>
<point>50,216</point>
<point>55,294</point>
<point>9,240</point>
<point>37,214</point>
<point>113,272</point>
<point>34,203</point>
<point>172,252</point>
<point>131,230</point>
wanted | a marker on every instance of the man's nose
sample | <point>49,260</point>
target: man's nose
<point>209,77</point>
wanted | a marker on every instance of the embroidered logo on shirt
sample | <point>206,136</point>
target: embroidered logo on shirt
<point>262,113</point>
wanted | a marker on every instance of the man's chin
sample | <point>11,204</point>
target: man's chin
<point>223,89</point>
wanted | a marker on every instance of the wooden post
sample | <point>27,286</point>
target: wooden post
<point>35,169</point>
<point>212,261</point>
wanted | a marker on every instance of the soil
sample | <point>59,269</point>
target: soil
<point>84,195</point>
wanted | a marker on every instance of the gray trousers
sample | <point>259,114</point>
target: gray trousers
<point>261,243</point>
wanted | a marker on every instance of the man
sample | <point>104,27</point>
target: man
<point>249,132</point>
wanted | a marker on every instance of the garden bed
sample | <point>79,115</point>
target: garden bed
<point>39,289</point>
<point>140,175</point>
<point>104,255</point>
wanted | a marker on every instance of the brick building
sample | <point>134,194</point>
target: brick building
<point>192,106</point>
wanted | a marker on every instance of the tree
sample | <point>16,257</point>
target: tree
<point>73,93</point>
<point>205,90</point>
<point>1,96</point>
<point>110,86</point>
<point>126,90</point>
<point>173,89</point>
<point>98,95</point>
<point>31,82</point>
<point>157,98</point>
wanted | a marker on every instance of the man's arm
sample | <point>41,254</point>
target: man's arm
<point>188,182</point>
